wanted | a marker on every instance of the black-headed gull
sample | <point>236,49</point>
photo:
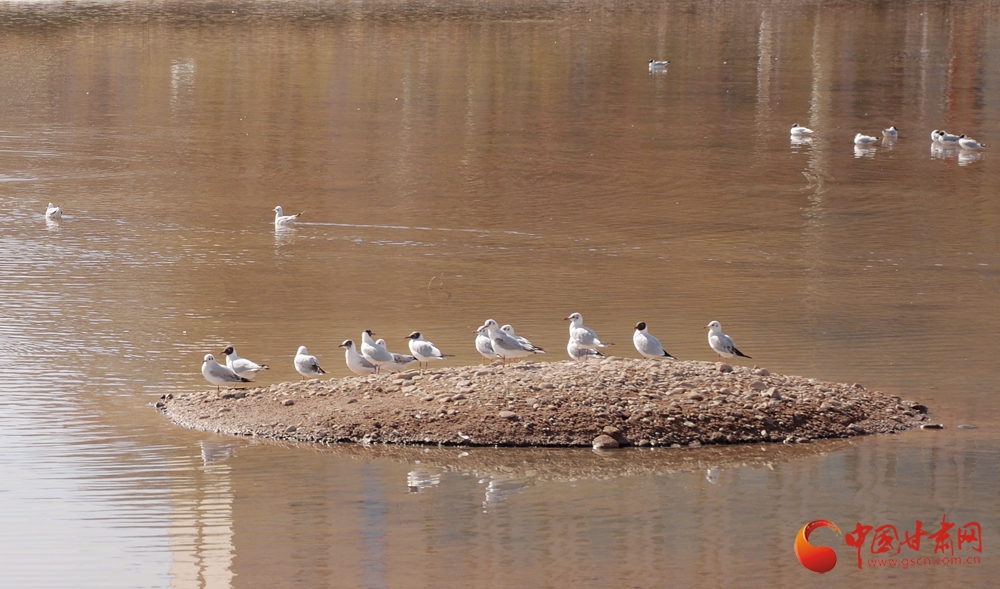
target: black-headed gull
<point>241,366</point>
<point>798,129</point>
<point>862,139</point>
<point>585,337</point>
<point>509,330</point>
<point>504,346</point>
<point>400,362</point>
<point>218,374</point>
<point>307,365</point>
<point>283,220</point>
<point>656,65</point>
<point>483,344</point>
<point>53,212</point>
<point>580,354</point>
<point>936,136</point>
<point>891,133</point>
<point>356,363</point>
<point>374,353</point>
<point>721,343</point>
<point>970,143</point>
<point>424,350</point>
<point>946,138</point>
<point>646,344</point>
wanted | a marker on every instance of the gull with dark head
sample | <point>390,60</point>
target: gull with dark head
<point>583,336</point>
<point>307,365</point>
<point>218,374</point>
<point>356,363</point>
<point>798,129</point>
<point>374,353</point>
<point>646,344</point>
<point>422,349</point>
<point>892,133</point>
<point>283,220</point>
<point>241,366</point>
<point>970,143</point>
<point>721,343</point>
<point>657,65</point>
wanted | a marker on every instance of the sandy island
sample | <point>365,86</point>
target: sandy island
<point>605,404</point>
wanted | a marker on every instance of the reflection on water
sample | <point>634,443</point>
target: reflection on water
<point>470,160</point>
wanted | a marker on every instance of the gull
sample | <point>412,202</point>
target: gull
<point>504,345</point>
<point>53,212</point>
<point>400,362</point>
<point>307,365</point>
<point>861,139</point>
<point>798,129</point>
<point>218,374</point>
<point>355,361</point>
<point>373,352</point>
<point>242,366</point>
<point>646,344</point>
<point>283,220</point>
<point>483,344</point>
<point>891,133</point>
<point>935,136</point>
<point>584,337</point>
<point>580,354</point>
<point>424,350</point>
<point>656,65</point>
<point>970,143</point>
<point>946,138</point>
<point>523,341</point>
<point>722,343</point>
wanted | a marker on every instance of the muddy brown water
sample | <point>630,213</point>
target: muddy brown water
<point>460,161</point>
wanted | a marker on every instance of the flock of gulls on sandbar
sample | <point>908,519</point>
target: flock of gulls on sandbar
<point>493,342</point>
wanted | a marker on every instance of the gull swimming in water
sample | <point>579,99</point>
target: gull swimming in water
<point>356,363</point>
<point>307,365</point>
<point>483,344</point>
<point>283,220</point>
<point>218,374</point>
<point>509,330</point>
<point>424,350</point>
<point>241,366</point>
<point>946,138</point>
<point>656,65</point>
<point>400,362</point>
<point>646,344</point>
<point>798,129</point>
<point>861,139</point>
<point>936,136</point>
<point>580,354</point>
<point>891,133</point>
<point>585,337</point>
<point>504,345</point>
<point>721,343</point>
<point>53,212</point>
<point>373,352</point>
<point>970,143</point>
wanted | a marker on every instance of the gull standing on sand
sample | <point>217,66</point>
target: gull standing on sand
<point>242,366</point>
<point>424,350</point>
<point>509,330</point>
<point>580,354</point>
<point>646,344</point>
<point>584,337</point>
<point>721,343</point>
<point>53,212</point>
<point>400,362</point>
<point>374,353</point>
<point>798,129</point>
<point>283,220</point>
<point>356,363</point>
<point>505,346</point>
<point>483,344</point>
<point>218,374</point>
<point>861,139</point>
<point>307,365</point>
